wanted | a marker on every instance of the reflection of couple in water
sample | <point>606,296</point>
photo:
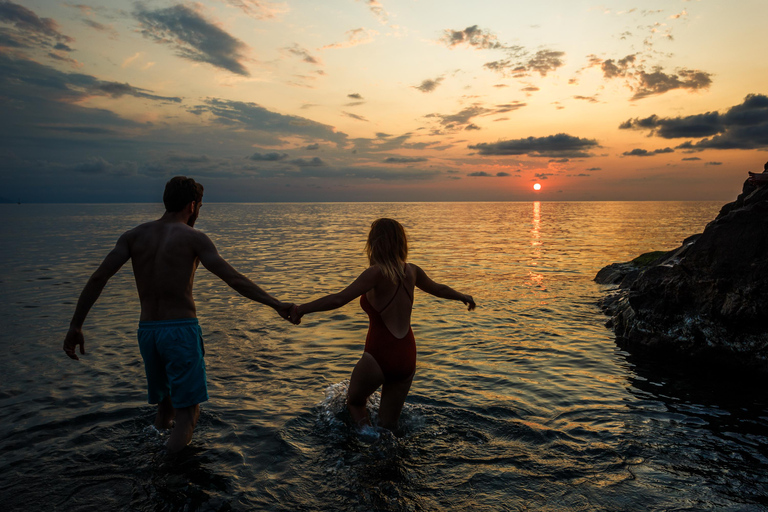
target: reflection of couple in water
<point>165,254</point>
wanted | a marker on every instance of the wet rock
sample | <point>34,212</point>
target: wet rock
<point>706,301</point>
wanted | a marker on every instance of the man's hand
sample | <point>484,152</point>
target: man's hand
<point>284,310</point>
<point>295,315</point>
<point>74,338</point>
<point>469,302</point>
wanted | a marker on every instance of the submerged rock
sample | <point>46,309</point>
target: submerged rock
<point>704,301</point>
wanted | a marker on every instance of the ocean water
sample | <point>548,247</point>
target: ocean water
<point>524,404</point>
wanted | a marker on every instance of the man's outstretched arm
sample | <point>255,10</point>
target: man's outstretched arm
<point>111,264</point>
<point>212,260</point>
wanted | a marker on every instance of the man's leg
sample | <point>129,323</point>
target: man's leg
<point>186,420</point>
<point>165,414</point>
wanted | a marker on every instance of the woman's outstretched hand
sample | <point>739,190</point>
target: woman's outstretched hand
<point>295,315</point>
<point>469,301</point>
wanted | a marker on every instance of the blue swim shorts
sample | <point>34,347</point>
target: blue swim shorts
<point>173,361</point>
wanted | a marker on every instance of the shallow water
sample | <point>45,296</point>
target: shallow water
<point>524,404</point>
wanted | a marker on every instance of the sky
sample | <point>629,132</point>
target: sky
<point>382,100</point>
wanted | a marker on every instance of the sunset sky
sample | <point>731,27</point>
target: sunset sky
<point>390,100</point>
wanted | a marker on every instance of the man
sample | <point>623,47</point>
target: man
<point>165,254</point>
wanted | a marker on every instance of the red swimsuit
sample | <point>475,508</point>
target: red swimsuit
<point>396,356</point>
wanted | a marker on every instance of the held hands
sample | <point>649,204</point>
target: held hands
<point>469,302</point>
<point>74,338</point>
<point>296,315</point>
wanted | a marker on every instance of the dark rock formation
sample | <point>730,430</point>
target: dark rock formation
<point>704,301</point>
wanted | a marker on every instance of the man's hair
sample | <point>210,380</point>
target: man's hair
<point>179,192</point>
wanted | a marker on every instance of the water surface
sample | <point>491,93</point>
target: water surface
<point>524,404</point>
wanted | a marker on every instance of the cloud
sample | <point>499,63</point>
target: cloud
<point>691,159</point>
<point>714,163</point>
<point>553,146</point>
<point>519,66</point>
<point>355,37</point>
<point>462,120</point>
<point>28,77</point>
<point>590,99</point>
<point>312,147</point>
<point>259,10</point>
<point>403,160</point>
<point>473,37</point>
<point>355,96</point>
<point>658,82</point>
<point>268,157</point>
<point>502,174</point>
<point>743,126</point>
<point>250,116</point>
<point>28,30</point>
<point>699,125</point>
<point>303,54</point>
<point>308,162</point>
<point>377,9</point>
<point>595,169</point>
<point>429,85</point>
<point>655,82</point>
<point>645,152</point>
<point>193,37</point>
<point>481,174</point>
<point>355,116</point>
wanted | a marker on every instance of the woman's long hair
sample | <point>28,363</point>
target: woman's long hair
<point>387,247</point>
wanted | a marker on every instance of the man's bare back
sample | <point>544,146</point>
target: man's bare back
<point>165,255</point>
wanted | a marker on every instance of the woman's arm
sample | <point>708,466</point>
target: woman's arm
<point>359,286</point>
<point>443,291</point>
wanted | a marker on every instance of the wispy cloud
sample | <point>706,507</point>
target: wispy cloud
<point>560,145</point>
<point>403,160</point>
<point>193,37</point>
<point>355,37</point>
<point>274,126</point>
<point>377,9</point>
<point>474,37</point>
<point>303,54</point>
<point>258,9</point>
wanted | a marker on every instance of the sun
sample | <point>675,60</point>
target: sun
<point>537,186</point>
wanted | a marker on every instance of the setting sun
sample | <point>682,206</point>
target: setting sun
<point>537,186</point>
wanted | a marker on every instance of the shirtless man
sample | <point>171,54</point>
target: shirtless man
<point>165,254</point>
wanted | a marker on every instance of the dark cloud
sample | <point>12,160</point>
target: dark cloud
<point>429,85</point>
<point>481,174</point>
<point>193,37</point>
<point>645,152</point>
<point>595,169</point>
<point>268,157</point>
<point>696,126</point>
<point>116,90</point>
<point>590,99</point>
<point>472,36</point>
<point>520,65</point>
<point>744,126</point>
<point>308,162</point>
<point>28,30</point>
<point>553,146</point>
<point>270,124</point>
<point>257,9</point>
<point>403,160</point>
<point>560,160</point>
<point>312,147</point>
<point>658,82</point>
<point>355,96</point>
<point>619,68</point>
<point>714,163</point>
<point>691,159</point>
<point>502,174</point>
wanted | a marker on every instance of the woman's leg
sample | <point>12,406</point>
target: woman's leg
<point>366,378</point>
<point>393,396</point>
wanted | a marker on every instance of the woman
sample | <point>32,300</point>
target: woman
<point>386,294</point>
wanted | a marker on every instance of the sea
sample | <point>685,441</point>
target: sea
<point>525,404</point>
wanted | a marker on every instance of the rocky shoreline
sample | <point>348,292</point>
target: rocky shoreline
<point>703,302</point>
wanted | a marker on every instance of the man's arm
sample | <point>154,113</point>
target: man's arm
<point>212,260</point>
<point>111,264</point>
